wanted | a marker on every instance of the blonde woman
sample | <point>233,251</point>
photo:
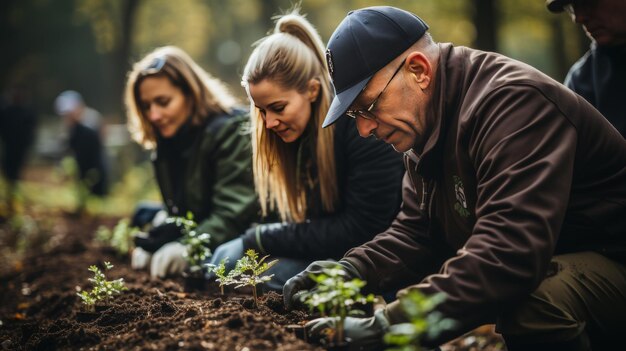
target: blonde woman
<point>201,154</point>
<point>332,189</point>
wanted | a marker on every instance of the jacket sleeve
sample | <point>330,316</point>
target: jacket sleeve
<point>370,200</point>
<point>523,150</point>
<point>234,202</point>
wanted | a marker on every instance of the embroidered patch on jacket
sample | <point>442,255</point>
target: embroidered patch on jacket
<point>461,203</point>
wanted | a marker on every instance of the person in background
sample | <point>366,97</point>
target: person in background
<point>514,202</point>
<point>600,75</point>
<point>331,189</point>
<point>85,142</point>
<point>18,122</point>
<point>201,156</point>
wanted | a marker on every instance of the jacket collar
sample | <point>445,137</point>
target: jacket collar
<point>444,105</point>
<point>180,142</point>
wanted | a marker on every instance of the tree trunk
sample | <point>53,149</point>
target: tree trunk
<point>121,56</point>
<point>485,21</point>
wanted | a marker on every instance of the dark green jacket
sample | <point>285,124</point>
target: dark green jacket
<point>207,171</point>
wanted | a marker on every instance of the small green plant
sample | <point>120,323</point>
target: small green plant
<point>423,321</point>
<point>333,296</point>
<point>120,238</point>
<point>187,222</point>
<point>197,243</point>
<point>103,289</point>
<point>248,272</point>
<point>197,250</point>
<point>220,272</point>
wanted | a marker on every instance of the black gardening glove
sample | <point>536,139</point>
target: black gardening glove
<point>301,282</point>
<point>158,236</point>
<point>364,333</point>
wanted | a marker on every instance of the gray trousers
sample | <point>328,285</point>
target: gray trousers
<point>582,300</point>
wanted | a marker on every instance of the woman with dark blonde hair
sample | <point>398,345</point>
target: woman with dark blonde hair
<point>201,155</point>
<point>332,189</point>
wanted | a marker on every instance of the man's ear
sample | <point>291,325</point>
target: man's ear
<point>313,89</point>
<point>421,67</point>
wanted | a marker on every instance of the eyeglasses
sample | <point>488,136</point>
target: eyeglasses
<point>367,114</point>
<point>155,66</point>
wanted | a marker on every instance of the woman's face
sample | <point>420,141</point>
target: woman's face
<point>285,111</point>
<point>163,104</point>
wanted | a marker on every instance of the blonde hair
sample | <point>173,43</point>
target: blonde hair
<point>208,95</point>
<point>291,56</point>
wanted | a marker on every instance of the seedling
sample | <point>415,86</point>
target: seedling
<point>335,297</point>
<point>102,289</point>
<point>220,272</point>
<point>248,272</point>
<point>423,321</point>
<point>120,238</point>
<point>187,223</point>
<point>197,244</point>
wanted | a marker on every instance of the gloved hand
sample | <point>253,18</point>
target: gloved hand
<point>299,283</point>
<point>140,258</point>
<point>365,333</point>
<point>159,218</point>
<point>233,250</point>
<point>158,236</point>
<point>168,260</point>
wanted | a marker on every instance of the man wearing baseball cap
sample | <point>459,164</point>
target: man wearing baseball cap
<point>514,200</point>
<point>600,75</point>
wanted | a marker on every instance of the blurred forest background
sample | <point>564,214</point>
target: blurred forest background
<point>89,45</point>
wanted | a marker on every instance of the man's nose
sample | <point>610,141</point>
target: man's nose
<point>365,126</point>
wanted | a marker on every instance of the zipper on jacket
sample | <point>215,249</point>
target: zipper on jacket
<point>430,202</point>
<point>424,195</point>
<point>411,155</point>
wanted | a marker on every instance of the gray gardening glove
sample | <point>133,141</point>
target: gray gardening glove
<point>140,258</point>
<point>301,282</point>
<point>168,260</point>
<point>364,333</point>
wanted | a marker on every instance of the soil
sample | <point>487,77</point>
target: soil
<point>40,309</point>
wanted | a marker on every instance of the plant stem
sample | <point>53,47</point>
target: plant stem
<point>339,331</point>
<point>256,302</point>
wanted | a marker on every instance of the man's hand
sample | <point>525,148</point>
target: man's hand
<point>158,236</point>
<point>365,333</point>
<point>298,284</point>
<point>168,260</point>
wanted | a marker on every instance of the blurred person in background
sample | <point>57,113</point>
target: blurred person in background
<point>600,75</point>
<point>85,141</point>
<point>332,189</point>
<point>17,134</point>
<point>201,155</point>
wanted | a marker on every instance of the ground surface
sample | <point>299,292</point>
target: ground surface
<point>39,308</point>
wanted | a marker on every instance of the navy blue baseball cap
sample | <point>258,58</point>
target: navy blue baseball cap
<point>363,43</point>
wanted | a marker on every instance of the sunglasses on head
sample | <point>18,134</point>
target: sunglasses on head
<point>155,66</point>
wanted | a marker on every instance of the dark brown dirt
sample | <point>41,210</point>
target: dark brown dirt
<point>39,308</point>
